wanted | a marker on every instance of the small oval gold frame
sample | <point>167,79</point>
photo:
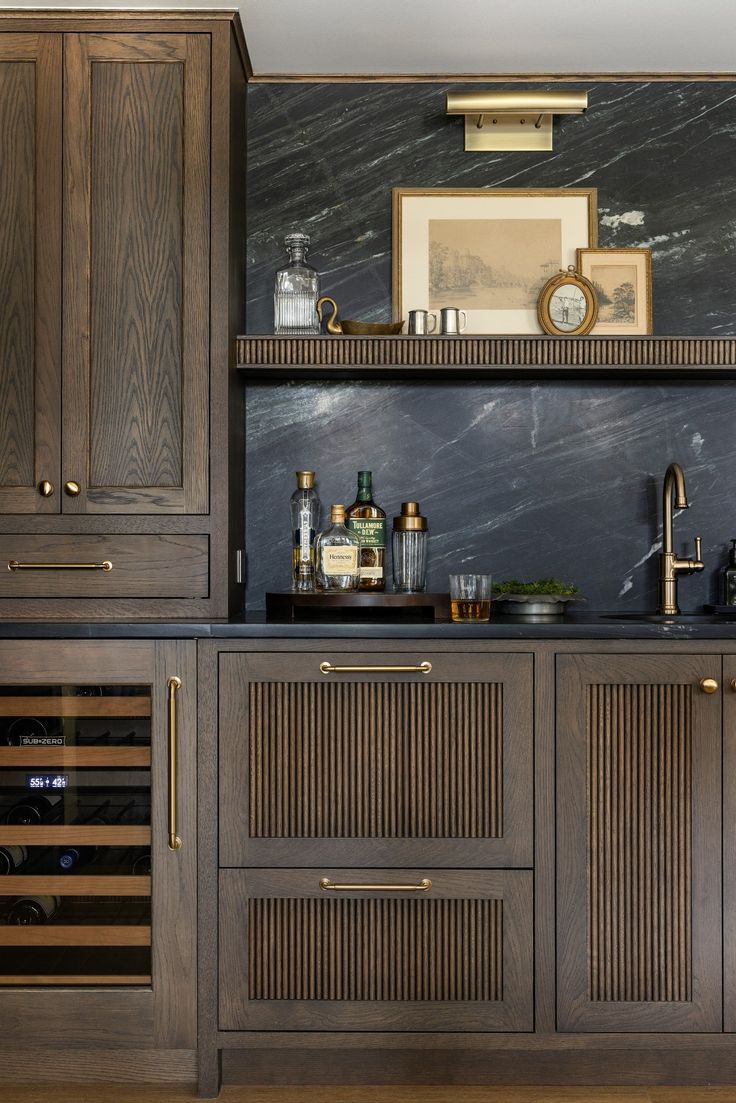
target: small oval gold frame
<point>574,279</point>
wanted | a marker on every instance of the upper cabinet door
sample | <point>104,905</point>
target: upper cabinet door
<point>136,273</point>
<point>30,272</point>
<point>639,842</point>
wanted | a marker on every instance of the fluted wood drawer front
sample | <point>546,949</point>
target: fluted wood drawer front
<point>373,766</point>
<point>142,566</point>
<point>639,843</point>
<point>456,955</point>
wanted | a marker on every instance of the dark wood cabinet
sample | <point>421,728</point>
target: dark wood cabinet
<point>454,956</point>
<point>30,271</point>
<point>374,767</point>
<point>136,272</point>
<point>100,999</point>
<point>121,280</point>
<point>639,843</point>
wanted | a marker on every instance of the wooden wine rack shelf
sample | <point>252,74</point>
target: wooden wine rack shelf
<point>76,886</point>
<point>75,706</point>
<point>101,757</point>
<point>74,834</point>
<point>75,980</point>
<point>48,934</point>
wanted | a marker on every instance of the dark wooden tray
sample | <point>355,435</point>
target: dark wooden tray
<point>357,607</point>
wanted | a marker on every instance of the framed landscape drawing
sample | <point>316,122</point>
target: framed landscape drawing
<point>487,251</point>
<point>622,279</point>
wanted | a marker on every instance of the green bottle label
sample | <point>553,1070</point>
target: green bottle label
<point>371,531</point>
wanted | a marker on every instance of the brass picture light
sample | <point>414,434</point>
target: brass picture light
<point>512,120</point>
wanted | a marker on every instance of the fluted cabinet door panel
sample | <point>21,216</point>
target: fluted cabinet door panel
<point>30,271</point>
<point>136,353</point>
<point>639,857</point>
<point>295,956</point>
<point>374,767</point>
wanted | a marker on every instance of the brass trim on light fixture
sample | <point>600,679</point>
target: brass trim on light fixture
<point>520,120</point>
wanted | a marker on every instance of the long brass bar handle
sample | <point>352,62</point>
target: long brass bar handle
<point>423,668</point>
<point>173,685</point>
<point>424,886</point>
<point>14,565</point>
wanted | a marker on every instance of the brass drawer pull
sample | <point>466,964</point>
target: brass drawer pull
<point>709,685</point>
<point>424,886</point>
<point>173,685</point>
<point>14,565</point>
<point>423,668</point>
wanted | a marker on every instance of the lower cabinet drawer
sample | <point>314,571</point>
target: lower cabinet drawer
<point>378,953</point>
<point>75,566</point>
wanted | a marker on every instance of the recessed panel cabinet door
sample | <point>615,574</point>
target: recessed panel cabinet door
<point>639,843</point>
<point>729,842</point>
<point>30,272</point>
<point>378,761</point>
<point>136,273</point>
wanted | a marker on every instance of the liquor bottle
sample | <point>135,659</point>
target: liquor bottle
<point>29,910</point>
<point>368,522</point>
<point>11,859</point>
<point>36,808</point>
<point>305,511</point>
<point>337,554</point>
<point>296,290</point>
<point>729,577</point>
<point>74,856</point>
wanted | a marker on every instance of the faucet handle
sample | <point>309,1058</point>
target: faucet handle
<point>699,548</point>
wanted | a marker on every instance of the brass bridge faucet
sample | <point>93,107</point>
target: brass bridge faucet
<point>669,565</point>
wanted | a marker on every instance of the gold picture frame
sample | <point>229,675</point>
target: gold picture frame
<point>568,305</point>
<point>499,246</point>
<point>623,311</point>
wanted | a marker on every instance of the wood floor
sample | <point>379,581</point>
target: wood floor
<point>104,1093</point>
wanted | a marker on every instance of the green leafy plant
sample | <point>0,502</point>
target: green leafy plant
<point>541,586</point>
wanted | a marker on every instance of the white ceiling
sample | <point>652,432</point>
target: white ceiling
<point>474,37</point>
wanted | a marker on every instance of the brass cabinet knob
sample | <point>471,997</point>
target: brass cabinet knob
<point>733,684</point>
<point>72,489</point>
<point>45,488</point>
<point>709,685</point>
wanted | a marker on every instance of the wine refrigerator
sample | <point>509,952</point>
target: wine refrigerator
<point>75,834</point>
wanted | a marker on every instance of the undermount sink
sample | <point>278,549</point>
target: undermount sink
<point>678,618</point>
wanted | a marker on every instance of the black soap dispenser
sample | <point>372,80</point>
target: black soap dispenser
<point>729,577</point>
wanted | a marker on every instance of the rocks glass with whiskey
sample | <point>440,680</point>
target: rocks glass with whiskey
<point>470,598</point>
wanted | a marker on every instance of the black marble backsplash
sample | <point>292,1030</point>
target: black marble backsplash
<point>522,480</point>
<point>324,157</point>
<point>519,479</point>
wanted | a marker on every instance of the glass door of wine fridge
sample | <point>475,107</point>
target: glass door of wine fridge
<point>95,860</point>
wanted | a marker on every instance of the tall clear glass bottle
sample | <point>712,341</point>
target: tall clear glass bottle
<point>338,556</point>
<point>305,511</point>
<point>296,290</point>
<point>368,522</point>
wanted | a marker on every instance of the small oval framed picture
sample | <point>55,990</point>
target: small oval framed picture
<point>567,305</point>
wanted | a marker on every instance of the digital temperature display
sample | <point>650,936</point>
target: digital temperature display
<point>47,781</point>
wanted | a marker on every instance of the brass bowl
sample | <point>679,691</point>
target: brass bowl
<point>369,329</point>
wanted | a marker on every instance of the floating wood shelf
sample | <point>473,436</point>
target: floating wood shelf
<point>503,357</point>
<point>75,706</point>
<point>74,885</point>
<point>48,934</point>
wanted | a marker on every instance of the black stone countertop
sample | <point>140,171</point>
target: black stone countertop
<point>587,626</point>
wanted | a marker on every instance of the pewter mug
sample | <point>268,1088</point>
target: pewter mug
<point>450,321</point>
<point>419,322</point>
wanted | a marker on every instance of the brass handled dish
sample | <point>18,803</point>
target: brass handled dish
<point>351,328</point>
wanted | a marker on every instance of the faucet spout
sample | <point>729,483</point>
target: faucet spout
<point>674,480</point>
